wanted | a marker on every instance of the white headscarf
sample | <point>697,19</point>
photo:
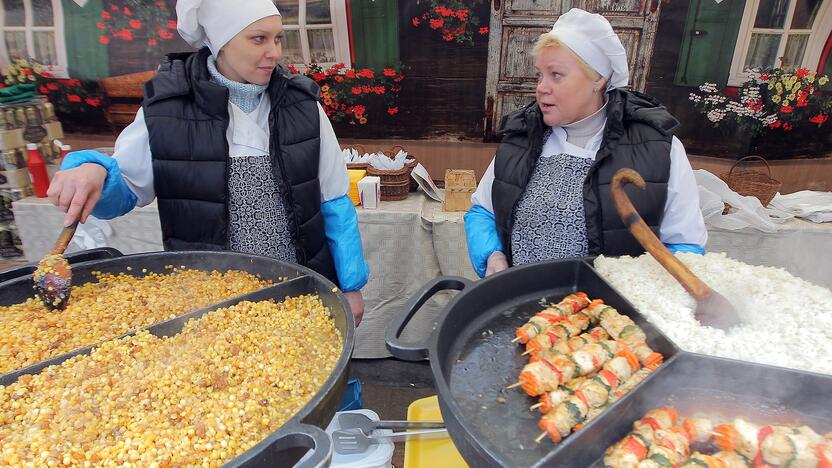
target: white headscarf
<point>592,39</point>
<point>213,23</point>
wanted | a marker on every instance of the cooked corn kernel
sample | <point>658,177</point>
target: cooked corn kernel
<point>144,399</point>
<point>116,304</point>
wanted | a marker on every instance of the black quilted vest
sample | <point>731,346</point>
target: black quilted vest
<point>637,135</point>
<point>187,118</point>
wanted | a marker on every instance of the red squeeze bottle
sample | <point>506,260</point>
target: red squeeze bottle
<point>37,168</point>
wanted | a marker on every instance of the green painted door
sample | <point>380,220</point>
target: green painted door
<point>709,42</point>
<point>375,32</point>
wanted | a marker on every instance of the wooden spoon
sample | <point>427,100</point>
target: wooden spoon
<point>53,277</point>
<point>712,308</point>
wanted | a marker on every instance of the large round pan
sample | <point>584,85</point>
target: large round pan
<point>473,359</point>
<point>302,436</point>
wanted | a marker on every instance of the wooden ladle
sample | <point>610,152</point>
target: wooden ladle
<point>712,308</point>
<point>53,277</point>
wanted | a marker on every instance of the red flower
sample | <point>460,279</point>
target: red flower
<point>447,37</point>
<point>135,24</point>
<point>775,124</point>
<point>359,109</point>
<point>462,14</point>
<point>152,42</point>
<point>415,21</point>
<point>484,30</point>
<point>103,39</point>
<point>94,102</point>
<point>43,90</point>
<point>366,89</point>
<point>51,86</point>
<point>764,76</point>
<point>172,24</point>
<point>786,109</point>
<point>437,23</point>
<point>787,127</point>
<point>27,71</point>
<point>338,78</point>
<point>339,66</point>
<point>389,72</point>
<point>293,69</point>
<point>443,11</point>
<point>127,12</point>
<point>350,74</point>
<point>802,72</point>
<point>318,76</point>
<point>105,15</point>
<point>124,35</point>
<point>378,90</point>
<point>356,90</point>
<point>74,98</point>
<point>398,78</point>
<point>366,73</point>
<point>165,34</point>
<point>393,110</point>
<point>114,7</point>
<point>100,25</point>
<point>819,119</point>
<point>45,74</point>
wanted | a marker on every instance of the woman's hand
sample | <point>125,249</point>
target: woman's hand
<point>77,190</point>
<point>356,301</point>
<point>496,263</point>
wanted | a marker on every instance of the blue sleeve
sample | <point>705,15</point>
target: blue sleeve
<point>341,229</point>
<point>482,236</point>
<point>693,248</point>
<point>116,197</point>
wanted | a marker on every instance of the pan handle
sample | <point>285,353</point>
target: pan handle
<point>418,351</point>
<point>296,436</point>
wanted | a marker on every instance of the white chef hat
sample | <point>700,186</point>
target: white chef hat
<point>213,23</point>
<point>591,37</point>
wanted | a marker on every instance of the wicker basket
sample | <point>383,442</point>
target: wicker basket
<point>362,151</point>
<point>750,182</point>
<point>394,191</point>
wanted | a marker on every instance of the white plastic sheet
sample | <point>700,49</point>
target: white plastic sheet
<point>807,204</point>
<point>746,211</point>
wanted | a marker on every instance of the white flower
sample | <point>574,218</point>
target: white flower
<point>715,116</point>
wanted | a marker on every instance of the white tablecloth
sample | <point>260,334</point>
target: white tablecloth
<point>410,242</point>
<point>406,243</point>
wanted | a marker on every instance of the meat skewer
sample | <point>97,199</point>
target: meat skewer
<point>543,376</point>
<point>634,448</point>
<point>621,327</point>
<point>543,321</point>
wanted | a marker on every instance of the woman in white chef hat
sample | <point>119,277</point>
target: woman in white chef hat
<point>236,150</point>
<point>546,194</point>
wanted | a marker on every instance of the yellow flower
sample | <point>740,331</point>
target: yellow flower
<point>786,102</point>
<point>775,99</point>
<point>779,88</point>
<point>770,85</point>
<point>796,86</point>
<point>823,80</point>
<point>810,79</point>
<point>791,97</point>
<point>363,120</point>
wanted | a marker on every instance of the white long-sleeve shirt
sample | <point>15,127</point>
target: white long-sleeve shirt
<point>247,134</point>
<point>682,222</point>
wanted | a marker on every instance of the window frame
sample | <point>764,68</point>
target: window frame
<point>61,70</point>
<point>814,47</point>
<point>340,34</point>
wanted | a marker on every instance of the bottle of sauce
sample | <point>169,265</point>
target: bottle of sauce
<point>37,169</point>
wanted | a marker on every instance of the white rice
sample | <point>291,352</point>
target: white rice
<point>786,320</point>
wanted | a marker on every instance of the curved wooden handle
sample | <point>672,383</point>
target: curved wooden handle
<point>64,238</point>
<point>648,239</point>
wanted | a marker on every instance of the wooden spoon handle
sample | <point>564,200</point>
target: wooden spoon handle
<point>648,239</point>
<point>64,238</point>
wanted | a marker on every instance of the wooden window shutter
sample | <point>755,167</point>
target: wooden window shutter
<point>709,41</point>
<point>375,33</point>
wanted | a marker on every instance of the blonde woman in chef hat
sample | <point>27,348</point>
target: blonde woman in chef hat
<point>546,194</point>
<point>236,150</point>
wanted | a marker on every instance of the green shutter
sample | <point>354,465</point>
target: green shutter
<point>375,32</point>
<point>86,56</point>
<point>708,44</point>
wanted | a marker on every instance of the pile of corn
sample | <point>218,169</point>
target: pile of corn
<point>200,398</point>
<point>116,304</point>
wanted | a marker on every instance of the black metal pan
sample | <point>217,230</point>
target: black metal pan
<point>72,258</point>
<point>473,359</point>
<point>693,383</point>
<point>301,433</point>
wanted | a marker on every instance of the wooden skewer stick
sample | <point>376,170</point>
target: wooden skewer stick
<point>540,438</point>
<point>526,353</point>
<point>515,340</point>
<point>514,385</point>
<point>536,406</point>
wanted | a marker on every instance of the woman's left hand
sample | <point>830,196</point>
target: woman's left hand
<point>356,301</point>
